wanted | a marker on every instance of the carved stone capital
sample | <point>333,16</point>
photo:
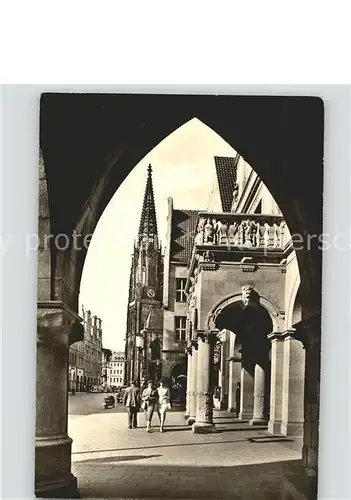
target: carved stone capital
<point>308,331</point>
<point>194,344</point>
<point>208,336</point>
<point>58,324</point>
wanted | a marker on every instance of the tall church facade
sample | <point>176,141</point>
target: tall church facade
<point>144,314</point>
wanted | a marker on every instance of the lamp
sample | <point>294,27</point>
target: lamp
<point>139,342</point>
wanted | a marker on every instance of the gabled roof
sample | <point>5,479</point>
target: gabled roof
<point>183,234</point>
<point>148,223</point>
<point>226,176</point>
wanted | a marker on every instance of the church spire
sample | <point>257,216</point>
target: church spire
<point>148,223</point>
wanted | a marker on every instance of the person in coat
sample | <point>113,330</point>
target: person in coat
<point>131,401</point>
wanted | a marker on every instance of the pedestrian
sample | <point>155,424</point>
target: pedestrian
<point>149,399</point>
<point>131,401</point>
<point>164,402</point>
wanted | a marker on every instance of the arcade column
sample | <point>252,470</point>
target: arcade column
<point>276,396</point>
<point>204,384</point>
<point>293,386</point>
<point>188,382</point>
<point>58,327</point>
<point>234,365</point>
<point>193,378</point>
<point>247,387</point>
<point>260,390</point>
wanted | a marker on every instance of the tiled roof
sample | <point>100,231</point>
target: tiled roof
<point>226,176</point>
<point>183,234</point>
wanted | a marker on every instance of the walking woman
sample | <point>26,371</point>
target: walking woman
<point>149,403</point>
<point>164,402</point>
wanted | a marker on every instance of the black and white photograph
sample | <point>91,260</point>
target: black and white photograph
<point>179,296</point>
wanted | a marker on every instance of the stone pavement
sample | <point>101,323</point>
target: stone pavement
<point>238,462</point>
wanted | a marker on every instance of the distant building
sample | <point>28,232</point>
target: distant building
<point>85,357</point>
<point>115,370</point>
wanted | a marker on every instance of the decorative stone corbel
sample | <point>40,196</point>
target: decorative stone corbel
<point>248,265</point>
<point>282,266</point>
<point>249,297</point>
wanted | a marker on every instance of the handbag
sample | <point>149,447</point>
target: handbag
<point>144,405</point>
<point>169,406</point>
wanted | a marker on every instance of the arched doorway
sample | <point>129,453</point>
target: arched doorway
<point>262,129</point>
<point>178,384</point>
<point>250,323</point>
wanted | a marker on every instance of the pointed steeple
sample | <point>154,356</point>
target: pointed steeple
<point>148,223</point>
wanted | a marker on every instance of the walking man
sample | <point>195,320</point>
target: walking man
<point>131,401</point>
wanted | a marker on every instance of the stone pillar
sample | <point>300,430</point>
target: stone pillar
<point>204,386</point>
<point>246,388</point>
<point>58,327</point>
<point>224,382</point>
<point>276,396</point>
<point>188,382</point>
<point>234,365</point>
<point>192,389</point>
<point>293,386</point>
<point>260,394</point>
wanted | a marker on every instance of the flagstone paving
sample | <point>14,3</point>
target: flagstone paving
<point>239,461</point>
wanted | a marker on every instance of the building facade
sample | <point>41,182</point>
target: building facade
<point>115,370</point>
<point>244,309</point>
<point>85,357</point>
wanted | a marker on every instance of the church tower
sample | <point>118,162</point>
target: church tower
<point>145,316</point>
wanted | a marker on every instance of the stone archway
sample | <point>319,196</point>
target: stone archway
<point>235,298</point>
<point>86,158</point>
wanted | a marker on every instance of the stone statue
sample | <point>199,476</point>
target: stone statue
<point>208,232</point>
<point>201,224</point>
<point>232,232</point>
<point>199,238</point>
<point>241,234</point>
<point>281,231</point>
<point>222,234</point>
<point>248,234</point>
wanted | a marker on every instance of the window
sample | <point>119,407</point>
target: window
<point>180,290</point>
<point>180,328</point>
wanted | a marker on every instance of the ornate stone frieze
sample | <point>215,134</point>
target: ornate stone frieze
<point>255,232</point>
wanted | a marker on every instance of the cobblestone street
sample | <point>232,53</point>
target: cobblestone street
<point>111,461</point>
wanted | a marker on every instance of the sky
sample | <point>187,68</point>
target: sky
<point>183,168</point>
